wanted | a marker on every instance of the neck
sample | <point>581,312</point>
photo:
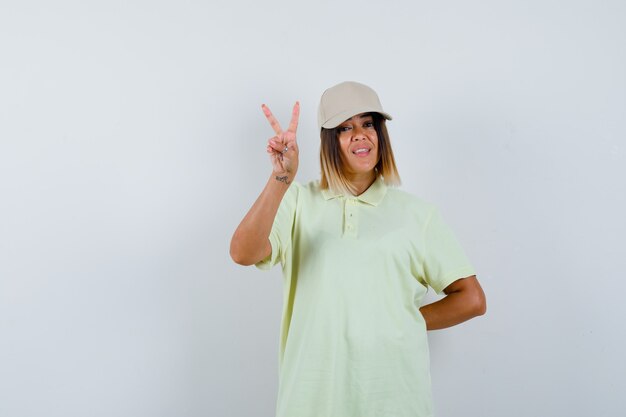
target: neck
<point>362,182</point>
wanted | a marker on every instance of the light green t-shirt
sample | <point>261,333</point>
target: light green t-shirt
<point>355,268</point>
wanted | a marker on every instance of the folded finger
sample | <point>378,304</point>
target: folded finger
<point>276,145</point>
<point>289,138</point>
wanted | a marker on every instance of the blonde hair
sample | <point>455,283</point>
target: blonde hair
<point>333,175</point>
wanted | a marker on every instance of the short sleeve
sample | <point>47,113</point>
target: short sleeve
<point>281,234</point>
<point>444,258</point>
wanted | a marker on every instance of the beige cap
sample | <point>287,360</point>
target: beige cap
<point>341,102</point>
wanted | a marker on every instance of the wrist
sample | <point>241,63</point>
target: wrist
<point>284,177</point>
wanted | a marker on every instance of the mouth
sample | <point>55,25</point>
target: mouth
<point>362,152</point>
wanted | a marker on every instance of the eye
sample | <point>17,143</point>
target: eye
<point>368,124</point>
<point>344,128</point>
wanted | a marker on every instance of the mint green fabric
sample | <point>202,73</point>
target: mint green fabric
<point>355,268</point>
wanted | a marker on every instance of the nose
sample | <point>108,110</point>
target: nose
<point>358,134</point>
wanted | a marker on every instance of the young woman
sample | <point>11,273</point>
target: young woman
<point>357,256</point>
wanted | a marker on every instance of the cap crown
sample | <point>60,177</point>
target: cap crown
<point>344,100</point>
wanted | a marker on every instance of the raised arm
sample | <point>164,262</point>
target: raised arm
<point>250,242</point>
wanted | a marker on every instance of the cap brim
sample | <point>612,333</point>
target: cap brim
<point>345,115</point>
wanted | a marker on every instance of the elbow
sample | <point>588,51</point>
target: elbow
<point>239,259</point>
<point>481,309</point>
<point>479,303</point>
<point>237,255</point>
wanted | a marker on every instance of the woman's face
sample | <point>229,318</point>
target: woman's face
<point>359,144</point>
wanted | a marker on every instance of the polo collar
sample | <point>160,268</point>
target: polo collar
<point>373,195</point>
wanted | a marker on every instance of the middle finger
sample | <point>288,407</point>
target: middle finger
<point>293,125</point>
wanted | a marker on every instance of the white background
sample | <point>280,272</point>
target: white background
<point>132,143</point>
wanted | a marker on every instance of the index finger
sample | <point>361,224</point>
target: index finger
<point>270,117</point>
<point>293,124</point>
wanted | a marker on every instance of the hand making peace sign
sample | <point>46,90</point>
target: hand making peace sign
<point>283,148</point>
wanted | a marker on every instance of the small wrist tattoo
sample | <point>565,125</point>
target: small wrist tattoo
<point>284,179</point>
